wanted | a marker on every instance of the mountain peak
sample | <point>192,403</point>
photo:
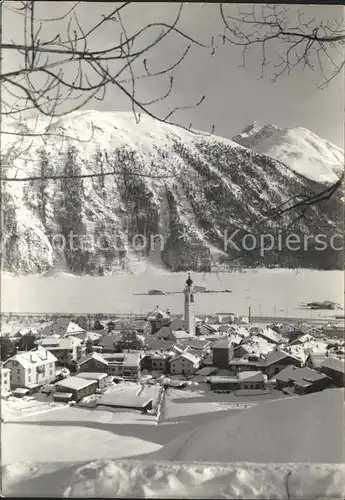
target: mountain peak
<point>300,149</point>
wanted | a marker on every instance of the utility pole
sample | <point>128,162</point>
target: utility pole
<point>250,314</point>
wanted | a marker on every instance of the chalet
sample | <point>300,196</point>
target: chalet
<point>185,364</point>
<point>251,380</point>
<point>32,368</point>
<point>78,387</point>
<point>93,362</point>
<point>303,380</point>
<point>277,360</point>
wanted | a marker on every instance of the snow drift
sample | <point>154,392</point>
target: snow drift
<point>134,479</point>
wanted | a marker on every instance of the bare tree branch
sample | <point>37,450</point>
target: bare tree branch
<point>308,44</point>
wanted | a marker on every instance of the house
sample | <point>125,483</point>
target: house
<point>164,333</point>
<point>59,327</point>
<point>145,362</point>
<point>277,360</point>
<point>224,384</point>
<point>5,381</point>
<point>185,364</point>
<point>243,380</point>
<point>32,368</point>
<point>109,342</point>
<point>303,380</point>
<point>205,329</point>
<point>335,330</point>
<point>74,329</point>
<point>101,378</point>
<point>180,335</point>
<point>160,362</point>
<point>66,350</point>
<point>93,362</point>
<point>251,380</point>
<point>131,365</point>
<point>153,344</point>
<point>222,353</point>
<point>335,369</point>
<point>158,318</point>
<point>315,360</point>
<point>306,337</point>
<point>175,350</point>
<point>267,334</point>
<point>250,362</point>
<point>77,386</point>
<point>115,363</point>
<point>198,347</point>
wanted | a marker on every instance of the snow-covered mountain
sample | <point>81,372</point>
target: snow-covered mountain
<point>191,189</point>
<point>303,151</point>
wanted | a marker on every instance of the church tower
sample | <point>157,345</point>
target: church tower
<point>189,307</point>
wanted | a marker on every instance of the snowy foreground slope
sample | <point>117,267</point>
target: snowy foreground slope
<point>303,151</point>
<point>155,179</point>
<point>289,448</point>
<point>135,479</point>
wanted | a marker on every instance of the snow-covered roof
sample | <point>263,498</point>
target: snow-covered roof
<point>253,376</point>
<point>188,356</point>
<point>73,328</point>
<point>92,375</point>
<point>74,383</point>
<point>93,355</point>
<point>61,343</point>
<point>33,358</point>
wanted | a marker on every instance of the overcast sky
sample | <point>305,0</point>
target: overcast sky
<point>235,96</point>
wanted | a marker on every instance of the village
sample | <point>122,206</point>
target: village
<point>163,362</point>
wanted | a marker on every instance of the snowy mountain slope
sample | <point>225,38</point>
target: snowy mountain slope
<point>301,150</point>
<point>156,179</point>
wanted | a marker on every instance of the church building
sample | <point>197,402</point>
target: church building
<point>189,307</point>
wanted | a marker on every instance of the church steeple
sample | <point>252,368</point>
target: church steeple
<point>189,306</point>
<point>189,281</point>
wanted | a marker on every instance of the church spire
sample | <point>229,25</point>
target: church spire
<point>189,281</point>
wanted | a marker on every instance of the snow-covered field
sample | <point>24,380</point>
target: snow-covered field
<point>35,431</point>
<point>177,409</point>
<point>56,443</point>
<point>269,293</point>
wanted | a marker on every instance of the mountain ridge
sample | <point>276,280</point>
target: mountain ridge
<point>142,180</point>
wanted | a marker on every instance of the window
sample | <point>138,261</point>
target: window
<point>29,379</point>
